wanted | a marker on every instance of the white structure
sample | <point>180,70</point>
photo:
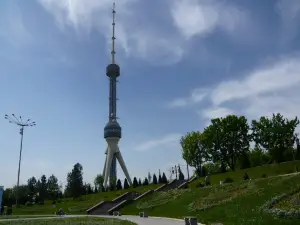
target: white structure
<point>112,130</point>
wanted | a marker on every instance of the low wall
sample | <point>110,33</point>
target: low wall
<point>95,206</point>
<point>120,197</point>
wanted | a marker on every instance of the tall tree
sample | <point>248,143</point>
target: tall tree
<point>140,182</point>
<point>164,178</point>
<point>119,185</point>
<point>32,186</point>
<point>180,176</point>
<point>149,177</point>
<point>126,185</point>
<point>135,182</point>
<point>75,181</point>
<point>145,182</point>
<point>159,177</point>
<point>98,182</point>
<point>276,134</point>
<point>194,150</point>
<point>52,187</point>
<point>154,179</point>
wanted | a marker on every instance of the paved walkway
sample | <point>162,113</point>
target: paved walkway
<point>135,219</point>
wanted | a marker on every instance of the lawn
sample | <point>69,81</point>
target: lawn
<point>254,172</point>
<point>77,206</point>
<point>235,203</point>
<point>69,221</point>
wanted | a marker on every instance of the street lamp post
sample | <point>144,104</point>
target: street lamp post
<point>21,123</point>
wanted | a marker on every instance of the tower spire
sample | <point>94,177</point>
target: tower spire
<point>113,34</point>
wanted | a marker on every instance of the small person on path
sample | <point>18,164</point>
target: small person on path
<point>207,180</point>
<point>246,176</point>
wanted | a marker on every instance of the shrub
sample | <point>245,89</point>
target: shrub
<point>264,175</point>
<point>9,211</point>
<point>58,200</point>
<point>228,180</point>
<point>41,202</point>
<point>53,202</point>
<point>28,204</point>
<point>200,184</point>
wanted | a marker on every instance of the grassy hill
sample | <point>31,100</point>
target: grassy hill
<point>238,203</point>
<point>80,205</point>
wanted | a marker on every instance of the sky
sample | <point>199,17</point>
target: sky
<point>182,63</point>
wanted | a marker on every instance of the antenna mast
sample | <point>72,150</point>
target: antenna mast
<point>113,34</point>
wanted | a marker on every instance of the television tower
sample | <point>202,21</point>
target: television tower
<point>112,130</point>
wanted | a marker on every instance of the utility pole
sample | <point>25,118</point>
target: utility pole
<point>19,122</point>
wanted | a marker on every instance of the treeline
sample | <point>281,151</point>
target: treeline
<point>225,143</point>
<point>36,191</point>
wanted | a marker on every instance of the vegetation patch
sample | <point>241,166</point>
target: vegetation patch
<point>69,221</point>
<point>220,195</point>
<point>161,198</point>
<point>284,206</point>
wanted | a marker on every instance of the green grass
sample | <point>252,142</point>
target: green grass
<point>235,203</point>
<point>77,206</point>
<point>254,172</point>
<point>69,221</point>
<point>20,216</point>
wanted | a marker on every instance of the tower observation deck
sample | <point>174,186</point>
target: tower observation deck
<point>113,130</point>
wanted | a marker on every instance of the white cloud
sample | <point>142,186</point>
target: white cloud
<point>140,36</point>
<point>278,76</point>
<point>194,17</point>
<point>216,112</point>
<point>196,96</point>
<point>272,88</point>
<point>159,143</point>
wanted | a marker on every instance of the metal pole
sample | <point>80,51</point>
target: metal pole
<point>188,172</point>
<point>20,158</point>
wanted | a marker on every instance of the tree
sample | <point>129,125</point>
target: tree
<point>96,189</point>
<point>32,186</point>
<point>154,179</point>
<point>227,139</point>
<point>181,176</point>
<point>52,187</point>
<point>89,189</point>
<point>145,182</point>
<point>126,185</point>
<point>42,187</point>
<point>164,179</point>
<point>112,183</point>
<point>140,182</point>
<point>258,157</point>
<point>276,135</point>
<point>135,182</point>
<point>98,182</point>
<point>159,177</point>
<point>149,177</point>
<point>194,150</point>
<point>75,185</point>
<point>119,185</point>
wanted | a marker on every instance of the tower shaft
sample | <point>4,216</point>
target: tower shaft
<point>112,130</point>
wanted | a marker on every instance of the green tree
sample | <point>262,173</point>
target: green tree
<point>140,182</point>
<point>145,182</point>
<point>181,175</point>
<point>75,185</point>
<point>32,186</point>
<point>194,149</point>
<point>98,182</point>
<point>154,179</point>
<point>227,140</point>
<point>42,187</point>
<point>126,185</point>
<point>52,187</point>
<point>164,178</point>
<point>112,184</point>
<point>149,178</point>
<point>119,185</point>
<point>276,135</point>
<point>135,183</point>
<point>159,177</point>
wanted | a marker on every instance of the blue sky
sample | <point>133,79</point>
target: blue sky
<point>182,63</point>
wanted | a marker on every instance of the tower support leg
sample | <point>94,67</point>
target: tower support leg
<point>123,166</point>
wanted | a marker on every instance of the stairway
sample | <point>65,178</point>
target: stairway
<point>107,207</point>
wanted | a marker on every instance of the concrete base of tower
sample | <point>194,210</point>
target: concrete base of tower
<point>113,150</point>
